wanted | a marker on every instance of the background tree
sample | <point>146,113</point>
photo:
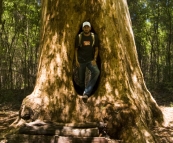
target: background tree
<point>1,11</point>
<point>152,25</point>
<point>121,97</point>
<point>18,43</point>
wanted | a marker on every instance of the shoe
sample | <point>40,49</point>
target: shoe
<point>85,96</point>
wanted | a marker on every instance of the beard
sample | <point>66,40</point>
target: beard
<point>86,32</point>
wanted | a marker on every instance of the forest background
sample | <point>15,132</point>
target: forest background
<point>152,22</point>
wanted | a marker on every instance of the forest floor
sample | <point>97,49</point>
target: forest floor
<point>10,102</point>
<point>165,101</point>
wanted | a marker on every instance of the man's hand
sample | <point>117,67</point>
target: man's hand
<point>77,64</point>
<point>93,62</point>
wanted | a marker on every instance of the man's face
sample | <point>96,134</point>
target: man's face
<point>86,29</point>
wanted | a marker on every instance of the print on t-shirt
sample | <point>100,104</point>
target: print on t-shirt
<point>86,43</point>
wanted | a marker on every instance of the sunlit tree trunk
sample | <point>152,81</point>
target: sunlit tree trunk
<point>121,99</point>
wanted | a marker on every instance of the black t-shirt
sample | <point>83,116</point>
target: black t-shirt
<point>86,50</point>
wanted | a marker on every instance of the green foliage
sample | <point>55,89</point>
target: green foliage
<point>153,27</point>
<point>19,38</point>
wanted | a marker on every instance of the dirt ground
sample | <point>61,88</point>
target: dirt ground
<point>165,102</point>
<point>10,104</point>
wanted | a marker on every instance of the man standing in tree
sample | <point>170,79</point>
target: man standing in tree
<point>86,53</point>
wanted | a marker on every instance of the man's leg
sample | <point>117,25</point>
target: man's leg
<point>94,76</point>
<point>82,70</point>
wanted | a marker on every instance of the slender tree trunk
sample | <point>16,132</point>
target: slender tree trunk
<point>1,11</point>
<point>169,51</point>
<point>121,99</point>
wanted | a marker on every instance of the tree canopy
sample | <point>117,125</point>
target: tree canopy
<point>152,25</point>
<point>19,39</point>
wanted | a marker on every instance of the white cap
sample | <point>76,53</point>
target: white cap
<point>86,23</point>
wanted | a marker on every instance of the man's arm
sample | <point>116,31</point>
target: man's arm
<point>95,56</point>
<point>96,50</point>
<point>76,57</point>
<point>96,53</point>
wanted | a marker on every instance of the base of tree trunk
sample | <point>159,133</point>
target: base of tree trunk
<point>49,132</point>
<point>60,129</point>
<point>19,138</point>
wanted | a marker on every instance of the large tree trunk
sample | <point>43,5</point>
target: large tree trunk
<point>121,98</point>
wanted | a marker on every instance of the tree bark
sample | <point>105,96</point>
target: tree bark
<point>121,99</point>
<point>1,11</point>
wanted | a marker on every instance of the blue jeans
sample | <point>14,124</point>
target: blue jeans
<point>94,76</point>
